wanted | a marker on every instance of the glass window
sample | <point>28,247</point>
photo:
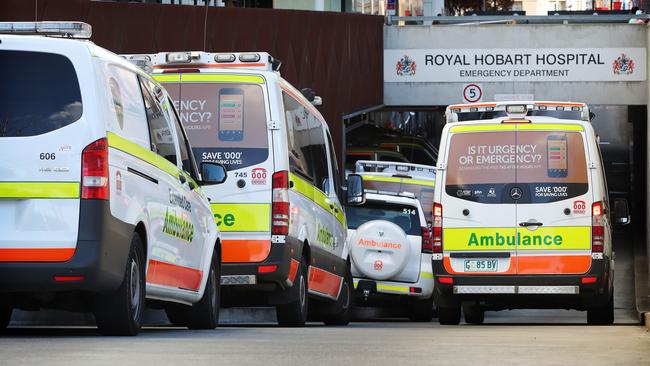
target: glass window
<point>127,105</point>
<point>39,93</point>
<point>182,142</point>
<point>335,167</point>
<point>226,123</point>
<point>300,158</point>
<point>162,140</point>
<point>548,166</point>
<point>319,155</point>
<point>404,216</point>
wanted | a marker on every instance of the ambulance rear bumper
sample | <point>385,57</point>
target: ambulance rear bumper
<point>526,291</point>
<point>98,264</point>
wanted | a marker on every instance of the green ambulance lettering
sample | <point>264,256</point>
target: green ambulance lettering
<point>324,236</point>
<point>498,240</point>
<point>178,227</point>
<point>227,219</point>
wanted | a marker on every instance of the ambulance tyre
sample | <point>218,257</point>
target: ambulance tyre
<point>5,311</point>
<point>205,313</point>
<point>448,310</point>
<point>473,313</point>
<point>121,312</point>
<point>602,314</point>
<point>294,313</point>
<point>421,310</point>
<point>342,310</point>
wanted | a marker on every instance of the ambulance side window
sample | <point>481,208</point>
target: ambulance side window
<point>335,166</point>
<point>300,159</point>
<point>182,142</point>
<point>162,140</point>
<point>319,153</point>
<point>127,105</point>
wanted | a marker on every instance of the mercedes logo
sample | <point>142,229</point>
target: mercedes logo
<point>381,233</point>
<point>515,193</point>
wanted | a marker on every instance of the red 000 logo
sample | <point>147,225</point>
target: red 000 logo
<point>258,176</point>
<point>579,207</point>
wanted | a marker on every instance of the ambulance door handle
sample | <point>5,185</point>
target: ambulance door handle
<point>530,223</point>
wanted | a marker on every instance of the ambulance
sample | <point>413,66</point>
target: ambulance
<point>521,215</point>
<point>99,194</point>
<point>398,177</point>
<point>280,209</point>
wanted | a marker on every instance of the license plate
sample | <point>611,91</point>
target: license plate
<point>481,265</point>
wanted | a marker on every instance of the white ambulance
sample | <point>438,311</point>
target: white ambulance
<point>521,212</point>
<point>280,209</point>
<point>99,198</point>
<point>391,248</point>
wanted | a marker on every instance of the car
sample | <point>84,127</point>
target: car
<point>280,210</point>
<point>521,213</point>
<point>100,197</point>
<point>390,246</point>
<point>401,177</point>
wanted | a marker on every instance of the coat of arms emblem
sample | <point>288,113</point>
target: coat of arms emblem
<point>623,65</point>
<point>405,66</point>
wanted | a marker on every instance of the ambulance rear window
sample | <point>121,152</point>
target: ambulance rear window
<point>39,93</point>
<point>404,216</point>
<point>535,166</point>
<point>225,122</point>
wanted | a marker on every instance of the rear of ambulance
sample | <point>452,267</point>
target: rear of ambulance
<point>53,175</point>
<point>223,104</point>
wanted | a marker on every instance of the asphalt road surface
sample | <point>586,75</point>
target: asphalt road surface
<point>508,338</point>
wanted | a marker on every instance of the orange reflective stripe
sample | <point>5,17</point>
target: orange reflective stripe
<point>324,282</point>
<point>560,264</point>
<point>241,251</point>
<point>293,269</point>
<point>167,274</point>
<point>36,255</point>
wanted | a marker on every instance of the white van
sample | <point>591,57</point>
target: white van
<point>521,213</point>
<point>280,209</point>
<point>99,198</point>
<point>391,249</point>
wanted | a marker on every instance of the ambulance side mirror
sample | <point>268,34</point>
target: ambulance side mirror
<point>621,212</point>
<point>356,195</point>
<point>213,173</point>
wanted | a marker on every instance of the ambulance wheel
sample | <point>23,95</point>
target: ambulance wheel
<point>120,312</point>
<point>448,310</point>
<point>205,313</point>
<point>421,310</point>
<point>5,311</point>
<point>473,313</point>
<point>294,313</point>
<point>342,310</point>
<point>602,314</point>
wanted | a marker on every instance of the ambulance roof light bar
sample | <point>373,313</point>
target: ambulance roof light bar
<point>141,61</point>
<point>515,110</point>
<point>388,193</point>
<point>390,168</point>
<point>66,29</point>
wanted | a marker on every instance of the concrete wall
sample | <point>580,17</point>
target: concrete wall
<point>517,36</point>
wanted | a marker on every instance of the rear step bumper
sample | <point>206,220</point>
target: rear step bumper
<point>98,263</point>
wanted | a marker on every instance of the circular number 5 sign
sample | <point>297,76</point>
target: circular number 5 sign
<point>472,93</point>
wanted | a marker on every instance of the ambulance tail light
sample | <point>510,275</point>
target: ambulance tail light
<point>427,242</point>
<point>437,228</point>
<point>94,171</point>
<point>280,203</point>
<point>597,227</point>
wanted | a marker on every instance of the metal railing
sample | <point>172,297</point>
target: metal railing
<point>513,19</point>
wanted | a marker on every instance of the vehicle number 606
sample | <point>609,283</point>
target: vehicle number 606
<point>48,156</point>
